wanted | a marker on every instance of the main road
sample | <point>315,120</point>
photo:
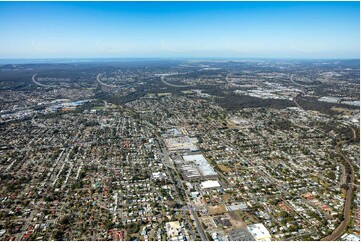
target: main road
<point>170,84</point>
<point>349,192</point>
<point>168,164</point>
<point>38,83</point>
<point>348,201</point>
<point>102,83</point>
<point>301,85</point>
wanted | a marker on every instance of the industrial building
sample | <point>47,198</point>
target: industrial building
<point>240,234</point>
<point>189,171</point>
<point>181,143</point>
<point>259,232</point>
<point>202,165</point>
<point>239,206</point>
<point>209,185</point>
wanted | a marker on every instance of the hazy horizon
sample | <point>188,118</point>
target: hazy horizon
<point>12,61</point>
<point>82,30</point>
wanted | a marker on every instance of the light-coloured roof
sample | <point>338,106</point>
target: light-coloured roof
<point>210,184</point>
<point>259,231</point>
<point>202,164</point>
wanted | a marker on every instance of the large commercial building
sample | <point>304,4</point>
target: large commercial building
<point>189,171</point>
<point>239,206</point>
<point>202,165</point>
<point>240,234</point>
<point>181,143</point>
<point>259,232</point>
<point>210,185</point>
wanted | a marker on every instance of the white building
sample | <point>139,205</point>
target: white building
<point>259,232</point>
<point>201,163</point>
<point>159,175</point>
<point>210,184</point>
<point>350,237</point>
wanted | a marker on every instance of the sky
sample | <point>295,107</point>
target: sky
<point>179,29</point>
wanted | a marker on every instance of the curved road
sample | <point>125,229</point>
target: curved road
<point>170,84</point>
<point>349,192</point>
<point>38,83</point>
<point>291,79</point>
<point>295,101</point>
<point>227,78</point>
<point>102,83</point>
<point>348,201</point>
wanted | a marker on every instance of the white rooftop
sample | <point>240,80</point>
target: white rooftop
<point>350,237</point>
<point>210,184</point>
<point>202,164</point>
<point>259,232</point>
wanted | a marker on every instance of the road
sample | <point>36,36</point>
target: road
<point>169,167</point>
<point>38,83</point>
<point>102,83</point>
<point>170,84</point>
<point>295,101</point>
<point>29,220</point>
<point>291,79</point>
<point>190,206</point>
<point>227,77</point>
<point>350,190</point>
<point>353,133</point>
<point>348,201</point>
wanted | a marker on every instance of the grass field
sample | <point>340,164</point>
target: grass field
<point>219,209</point>
<point>345,111</point>
<point>224,168</point>
<point>187,92</point>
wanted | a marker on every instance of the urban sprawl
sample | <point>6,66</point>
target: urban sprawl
<point>180,150</point>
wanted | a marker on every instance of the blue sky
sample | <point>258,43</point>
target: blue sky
<point>179,29</point>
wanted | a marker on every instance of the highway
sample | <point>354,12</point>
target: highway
<point>294,100</point>
<point>38,83</point>
<point>291,79</point>
<point>102,83</point>
<point>227,77</point>
<point>170,84</point>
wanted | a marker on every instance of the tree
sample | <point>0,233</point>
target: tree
<point>57,235</point>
